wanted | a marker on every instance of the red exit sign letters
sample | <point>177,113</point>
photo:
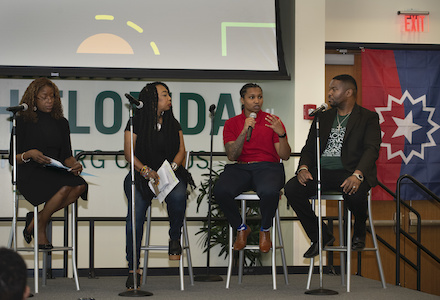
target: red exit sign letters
<point>416,23</point>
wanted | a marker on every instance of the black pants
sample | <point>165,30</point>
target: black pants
<point>298,197</point>
<point>265,178</point>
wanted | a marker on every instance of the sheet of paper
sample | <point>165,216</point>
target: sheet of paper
<point>56,164</point>
<point>167,181</point>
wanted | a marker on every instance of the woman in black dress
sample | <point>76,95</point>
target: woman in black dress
<point>43,133</point>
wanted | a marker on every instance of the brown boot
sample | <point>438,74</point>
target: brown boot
<point>174,250</point>
<point>265,242</point>
<point>241,239</point>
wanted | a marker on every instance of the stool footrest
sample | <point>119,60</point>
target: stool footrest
<point>335,248</point>
<point>155,247</point>
<point>251,247</point>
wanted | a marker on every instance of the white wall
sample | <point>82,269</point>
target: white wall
<point>376,21</point>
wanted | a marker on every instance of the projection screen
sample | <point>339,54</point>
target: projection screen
<point>140,38</point>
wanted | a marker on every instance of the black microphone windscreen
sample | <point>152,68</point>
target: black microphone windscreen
<point>212,108</point>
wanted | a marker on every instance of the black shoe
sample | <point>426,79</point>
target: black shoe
<point>357,243</point>
<point>28,236</point>
<point>314,248</point>
<point>174,250</point>
<point>130,281</point>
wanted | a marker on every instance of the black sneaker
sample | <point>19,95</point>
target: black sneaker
<point>174,250</point>
<point>358,243</point>
<point>130,281</point>
<point>314,248</point>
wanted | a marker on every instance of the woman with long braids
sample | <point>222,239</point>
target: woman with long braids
<point>43,133</point>
<point>157,136</point>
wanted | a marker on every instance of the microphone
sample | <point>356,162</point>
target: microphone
<point>21,107</point>
<point>212,108</point>
<point>323,107</point>
<point>133,100</point>
<point>249,132</point>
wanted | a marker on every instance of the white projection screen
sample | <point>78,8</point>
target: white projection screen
<point>141,38</point>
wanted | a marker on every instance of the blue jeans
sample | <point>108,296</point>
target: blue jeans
<point>176,206</point>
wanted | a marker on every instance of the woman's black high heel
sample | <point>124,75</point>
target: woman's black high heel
<point>28,236</point>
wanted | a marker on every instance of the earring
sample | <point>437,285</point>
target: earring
<point>35,108</point>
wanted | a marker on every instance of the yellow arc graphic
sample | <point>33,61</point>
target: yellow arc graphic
<point>100,43</point>
<point>104,17</point>
<point>155,49</point>
<point>135,27</point>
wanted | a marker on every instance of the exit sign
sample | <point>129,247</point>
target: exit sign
<point>416,23</point>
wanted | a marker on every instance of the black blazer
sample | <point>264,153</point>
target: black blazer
<point>360,148</point>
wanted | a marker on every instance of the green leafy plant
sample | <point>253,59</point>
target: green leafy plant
<point>220,226</point>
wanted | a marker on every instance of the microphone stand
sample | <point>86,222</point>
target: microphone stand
<point>208,277</point>
<point>13,235</point>
<point>320,290</point>
<point>136,292</point>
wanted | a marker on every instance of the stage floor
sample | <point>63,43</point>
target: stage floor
<point>253,287</point>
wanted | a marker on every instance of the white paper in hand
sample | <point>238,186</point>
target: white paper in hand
<point>56,164</point>
<point>167,181</point>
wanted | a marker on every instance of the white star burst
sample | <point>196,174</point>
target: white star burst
<point>406,126</point>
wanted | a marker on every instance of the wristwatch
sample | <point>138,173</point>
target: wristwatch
<point>359,176</point>
<point>174,166</point>
<point>283,135</point>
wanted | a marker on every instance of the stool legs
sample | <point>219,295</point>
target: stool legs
<point>184,240</point>
<point>276,230</point>
<point>281,246</point>
<point>342,243</point>
<point>147,245</point>
<point>231,252</point>
<point>274,263</point>
<point>36,260</point>
<point>74,234</point>
<point>185,245</point>
<point>342,248</point>
<point>45,253</point>
<point>376,246</point>
<point>348,249</point>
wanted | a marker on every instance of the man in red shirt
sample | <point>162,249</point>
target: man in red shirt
<point>258,164</point>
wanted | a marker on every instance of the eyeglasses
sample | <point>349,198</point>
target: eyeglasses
<point>47,98</point>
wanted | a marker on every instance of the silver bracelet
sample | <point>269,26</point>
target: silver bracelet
<point>25,160</point>
<point>300,169</point>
